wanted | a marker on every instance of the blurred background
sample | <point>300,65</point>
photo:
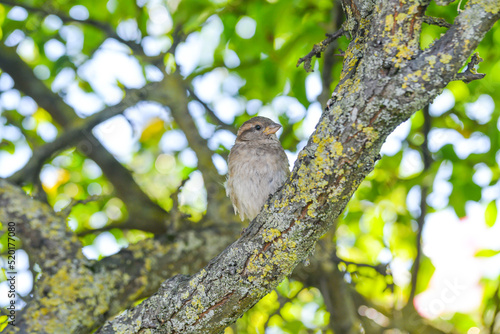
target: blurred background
<point>420,233</point>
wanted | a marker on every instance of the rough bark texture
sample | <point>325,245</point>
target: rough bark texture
<point>102,288</point>
<point>386,78</point>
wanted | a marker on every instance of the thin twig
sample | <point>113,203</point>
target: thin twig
<point>424,189</point>
<point>437,21</point>
<point>470,73</point>
<point>67,210</point>
<point>318,49</point>
<point>73,135</point>
<point>211,113</point>
<point>175,214</point>
<point>382,269</point>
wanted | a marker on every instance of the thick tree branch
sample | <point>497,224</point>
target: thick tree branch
<point>44,234</point>
<point>102,288</point>
<point>211,113</point>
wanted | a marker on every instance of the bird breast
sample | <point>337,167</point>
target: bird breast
<point>255,172</point>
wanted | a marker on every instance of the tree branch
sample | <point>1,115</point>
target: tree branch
<point>318,49</point>
<point>211,113</point>
<point>382,269</point>
<point>102,288</point>
<point>437,21</point>
<point>74,135</point>
<point>424,190</point>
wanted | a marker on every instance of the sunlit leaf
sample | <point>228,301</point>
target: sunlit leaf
<point>490,215</point>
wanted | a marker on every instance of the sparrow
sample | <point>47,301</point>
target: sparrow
<point>257,166</point>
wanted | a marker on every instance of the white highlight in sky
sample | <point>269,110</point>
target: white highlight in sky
<point>173,141</point>
<point>17,14</point>
<point>107,67</point>
<point>480,110</point>
<point>128,30</point>
<point>188,158</point>
<point>193,193</point>
<point>309,123</point>
<point>10,99</point>
<point>85,104</point>
<point>14,38</point>
<point>313,86</point>
<point>289,105</point>
<point>246,26</point>
<point>441,188</point>
<point>393,142</point>
<point>231,59</point>
<point>451,244</point>
<point>221,137</point>
<point>26,49</point>
<point>10,163</point>
<point>73,36</point>
<point>160,22</point>
<point>226,108</point>
<point>54,49</point>
<point>47,131</point>
<point>79,12</point>
<point>52,22</point>
<point>6,82</point>
<point>463,147</point>
<point>442,103</point>
<point>411,163</point>
<point>27,106</point>
<point>483,175</point>
<point>220,164</point>
<point>154,45</point>
<point>106,244</point>
<point>198,50</point>
<point>115,134</point>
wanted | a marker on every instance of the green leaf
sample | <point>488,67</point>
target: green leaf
<point>490,215</point>
<point>3,276</point>
<point>8,146</point>
<point>487,253</point>
<point>424,274</point>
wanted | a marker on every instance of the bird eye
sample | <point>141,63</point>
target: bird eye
<point>258,127</point>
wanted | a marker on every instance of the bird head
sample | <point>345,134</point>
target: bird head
<point>257,128</point>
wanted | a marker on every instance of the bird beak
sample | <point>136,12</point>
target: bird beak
<point>272,129</point>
